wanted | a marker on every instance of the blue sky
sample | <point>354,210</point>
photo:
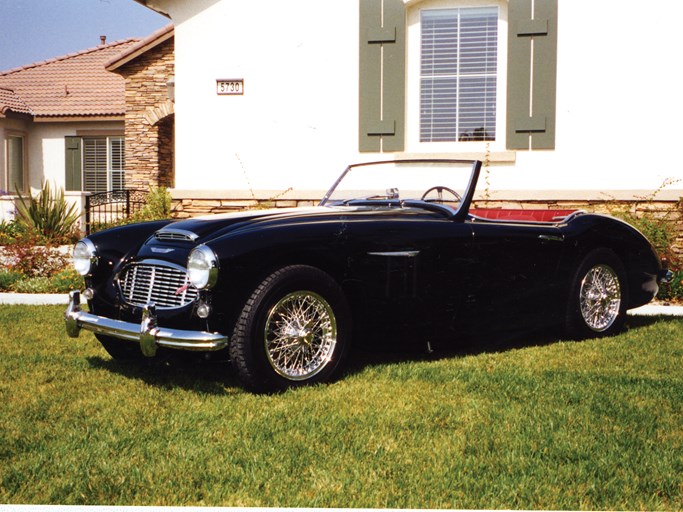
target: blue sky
<point>35,30</point>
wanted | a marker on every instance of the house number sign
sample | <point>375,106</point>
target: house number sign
<point>230,87</point>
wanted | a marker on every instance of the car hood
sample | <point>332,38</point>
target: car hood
<point>203,229</point>
<point>207,228</point>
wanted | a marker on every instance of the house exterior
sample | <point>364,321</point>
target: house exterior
<point>560,97</point>
<point>62,121</point>
<point>147,69</point>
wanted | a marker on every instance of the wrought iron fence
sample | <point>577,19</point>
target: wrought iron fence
<point>106,209</point>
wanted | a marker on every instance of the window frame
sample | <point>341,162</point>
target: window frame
<point>109,161</point>
<point>413,80</point>
<point>7,186</point>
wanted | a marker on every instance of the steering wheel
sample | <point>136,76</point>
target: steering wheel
<point>439,189</point>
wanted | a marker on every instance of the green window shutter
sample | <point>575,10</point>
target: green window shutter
<point>382,75</point>
<point>72,150</point>
<point>531,119</point>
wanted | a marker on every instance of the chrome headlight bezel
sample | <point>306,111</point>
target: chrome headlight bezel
<point>202,267</point>
<point>84,257</point>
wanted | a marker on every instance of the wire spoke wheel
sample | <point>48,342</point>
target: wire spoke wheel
<point>600,297</point>
<point>300,335</point>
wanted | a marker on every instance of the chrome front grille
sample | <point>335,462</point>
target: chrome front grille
<point>160,283</point>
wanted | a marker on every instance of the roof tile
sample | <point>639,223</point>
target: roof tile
<point>72,85</point>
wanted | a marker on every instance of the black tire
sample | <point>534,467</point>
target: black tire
<point>598,296</point>
<point>293,330</point>
<point>121,350</point>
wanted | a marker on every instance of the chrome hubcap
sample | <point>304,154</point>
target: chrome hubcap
<point>600,298</point>
<point>300,335</point>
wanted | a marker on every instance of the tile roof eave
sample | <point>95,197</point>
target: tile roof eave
<point>146,44</point>
<point>9,112</point>
<point>79,118</point>
<point>67,56</point>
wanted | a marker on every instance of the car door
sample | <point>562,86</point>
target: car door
<point>415,271</point>
<point>517,265</point>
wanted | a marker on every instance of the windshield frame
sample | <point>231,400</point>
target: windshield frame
<point>458,214</point>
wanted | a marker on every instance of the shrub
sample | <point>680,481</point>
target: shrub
<point>48,215</point>
<point>158,205</point>
<point>32,285</point>
<point>10,231</point>
<point>31,260</point>
<point>65,281</point>
<point>8,278</point>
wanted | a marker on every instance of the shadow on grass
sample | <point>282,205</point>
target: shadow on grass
<point>190,373</point>
<point>193,373</point>
<point>485,343</point>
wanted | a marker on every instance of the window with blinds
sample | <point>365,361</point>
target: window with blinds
<point>116,162</point>
<point>102,164</point>
<point>459,57</point>
<point>14,148</point>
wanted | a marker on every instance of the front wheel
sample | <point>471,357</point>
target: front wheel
<point>293,330</point>
<point>598,296</point>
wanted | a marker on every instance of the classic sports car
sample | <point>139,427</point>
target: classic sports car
<point>393,251</point>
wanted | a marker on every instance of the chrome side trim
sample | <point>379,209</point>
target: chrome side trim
<point>147,333</point>
<point>395,254</point>
<point>551,238</point>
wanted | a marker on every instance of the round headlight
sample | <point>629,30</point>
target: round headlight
<point>202,267</point>
<point>84,257</point>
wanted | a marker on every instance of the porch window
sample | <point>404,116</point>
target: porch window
<point>15,164</point>
<point>102,164</point>
<point>458,74</point>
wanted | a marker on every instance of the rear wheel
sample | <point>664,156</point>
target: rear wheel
<point>598,296</point>
<point>293,330</point>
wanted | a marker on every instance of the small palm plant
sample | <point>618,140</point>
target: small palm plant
<point>48,215</point>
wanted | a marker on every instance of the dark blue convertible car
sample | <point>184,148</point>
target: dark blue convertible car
<point>394,250</point>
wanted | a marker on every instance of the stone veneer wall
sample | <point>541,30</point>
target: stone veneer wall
<point>149,118</point>
<point>670,211</point>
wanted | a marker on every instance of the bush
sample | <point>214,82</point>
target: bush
<point>31,260</point>
<point>33,285</point>
<point>10,231</point>
<point>158,206</point>
<point>8,278</point>
<point>48,216</point>
<point>65,281</point>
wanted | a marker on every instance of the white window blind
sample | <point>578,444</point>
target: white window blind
<point>459,57</point>
<point>102,164</point>
<point>15,164</point>
<point>116,152</point>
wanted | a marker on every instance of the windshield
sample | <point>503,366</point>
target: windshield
<point>405,183</point>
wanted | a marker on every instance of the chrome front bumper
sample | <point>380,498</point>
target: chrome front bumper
<point>147,333</point>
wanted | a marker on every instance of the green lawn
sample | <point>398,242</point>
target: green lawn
<point>563,425</point>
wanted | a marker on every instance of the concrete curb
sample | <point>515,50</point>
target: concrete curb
<point>45,299</point>
<point>35,299</point>
<point>657,309</point>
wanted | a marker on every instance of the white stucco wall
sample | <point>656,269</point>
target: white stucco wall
<point>46,148</point>
<point>619,105</point>
<point>45,156</point>
<point>295,125</point>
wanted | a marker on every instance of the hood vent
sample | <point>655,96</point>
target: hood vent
<point>177,235</point>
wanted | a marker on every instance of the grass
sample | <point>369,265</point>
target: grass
<point>562,425</point>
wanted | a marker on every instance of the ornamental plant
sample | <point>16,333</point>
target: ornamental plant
<point>48,215</point>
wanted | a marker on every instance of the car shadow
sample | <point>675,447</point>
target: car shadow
<point>191,374</point>
<point>368,355</point>
<point>215,377</point>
